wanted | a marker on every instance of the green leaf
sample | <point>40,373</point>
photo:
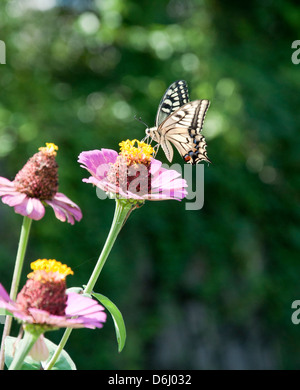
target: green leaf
<point>64,362</point>
<point>117,318</point>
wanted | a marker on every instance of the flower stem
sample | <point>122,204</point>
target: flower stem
<point>25,230</point>
<point>122,211</point>
<point>23,349</point>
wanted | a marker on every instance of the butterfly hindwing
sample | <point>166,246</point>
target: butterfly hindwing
<point>191,153</point>
<point>175,96</point>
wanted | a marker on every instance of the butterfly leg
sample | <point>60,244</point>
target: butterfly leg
<point>156,148</point>
<point>146,138</point>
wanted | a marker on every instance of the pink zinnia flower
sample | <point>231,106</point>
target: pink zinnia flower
<point>133,173</point>
<point>35,186</point>
<point>44,302</point>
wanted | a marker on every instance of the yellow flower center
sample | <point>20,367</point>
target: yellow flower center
<point>50,149</point>
<point>140,154</point>
<point>44,269</point>
<point>45,288</point>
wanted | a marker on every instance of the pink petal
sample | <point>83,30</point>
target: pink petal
<point>32,208</point>
<point>38,209</point>
<point>38,316</point>
<point>4,295</point>
<point>63,198</point>
<point>8,304</point>
<point>155,166</point>
<point>7,187</point>
<point>166,183</point>
<point>7,191</point>
<point>103,184</point>
<point>70,207</point>
<point>174,185</point>
<point>64,208</point>
<point>85,307</point>
<point>59,212</point>
<point>165,176</point>
<point>6,182</point>
<point>97,161</point>
<point>13,200</point>
<point>80,305</point>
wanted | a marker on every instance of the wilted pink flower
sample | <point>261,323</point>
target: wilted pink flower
<point>44,301</point>
<point>133,173</point>
<point>35,186</point>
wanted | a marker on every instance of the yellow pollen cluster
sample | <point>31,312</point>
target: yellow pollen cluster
<point>50,266</point>
<point>50,149</point>
<point>142,153</point>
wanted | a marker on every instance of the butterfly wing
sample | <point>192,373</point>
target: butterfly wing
<point>167,148</point>
<point>175,96</point>
<point>183,129</point>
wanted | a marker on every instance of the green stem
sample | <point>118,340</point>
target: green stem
<point>122,211</point>
<point>25,230</point>
<point>23,241</point>
<point>23,349</point>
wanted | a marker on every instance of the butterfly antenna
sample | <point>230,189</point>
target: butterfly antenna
<point>140,120</point>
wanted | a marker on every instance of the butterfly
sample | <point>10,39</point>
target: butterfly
<point>179,122</point>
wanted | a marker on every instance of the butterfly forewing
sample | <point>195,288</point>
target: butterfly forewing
<point>175,96</point>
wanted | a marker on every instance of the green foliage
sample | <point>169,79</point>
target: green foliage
<point>117,318</point>
<point>64,362</point>
<point>198,289</point>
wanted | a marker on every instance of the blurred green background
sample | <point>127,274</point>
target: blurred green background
<point>206,289</point>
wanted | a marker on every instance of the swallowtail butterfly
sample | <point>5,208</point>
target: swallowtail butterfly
<point>179,122</point>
